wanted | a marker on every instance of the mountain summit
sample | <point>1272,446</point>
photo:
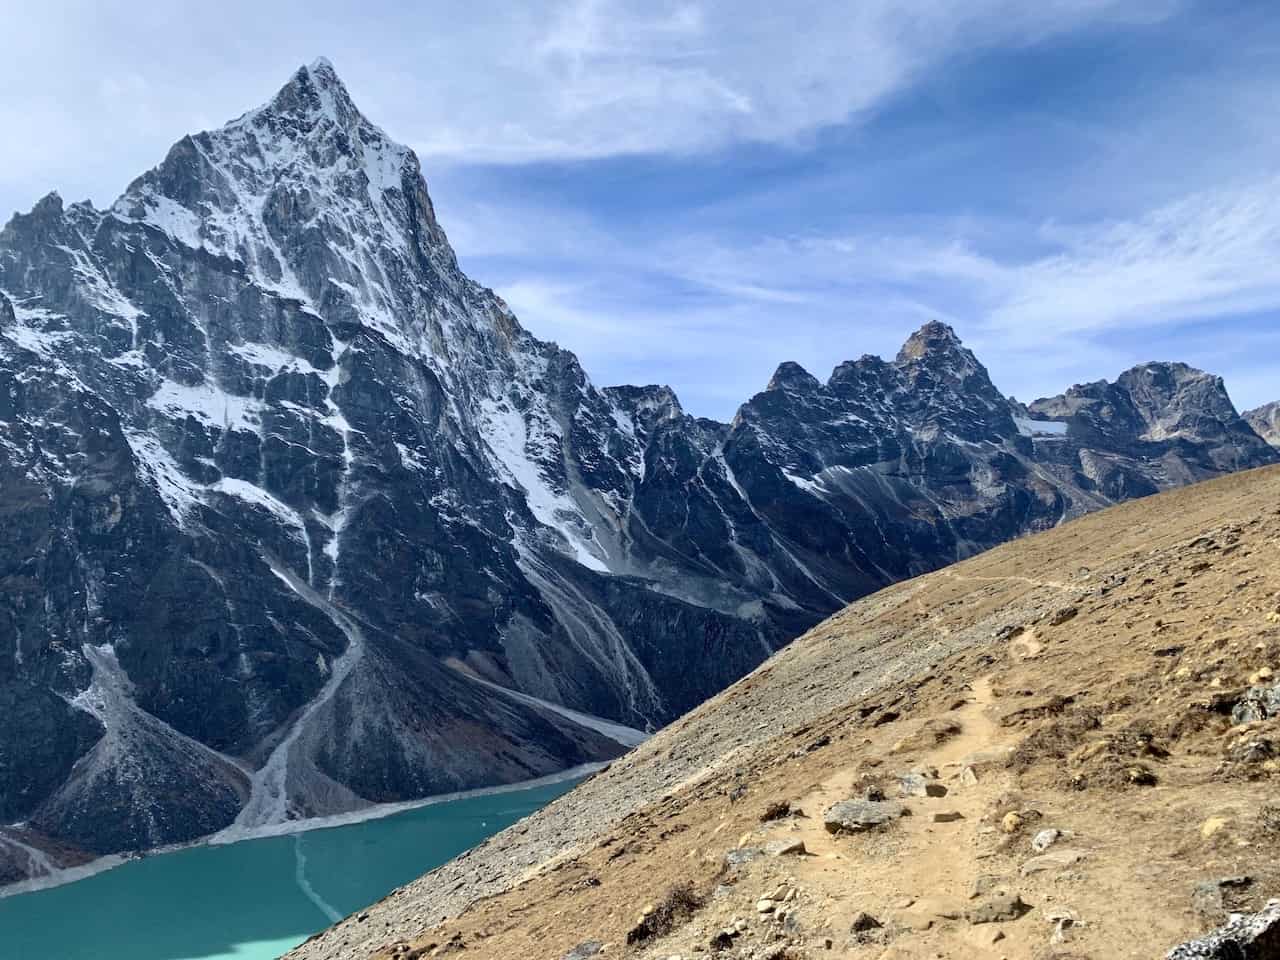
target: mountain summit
<point>301,520</point>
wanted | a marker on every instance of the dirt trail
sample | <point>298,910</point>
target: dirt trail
<point>1080,681</point>
<point>935,864</point>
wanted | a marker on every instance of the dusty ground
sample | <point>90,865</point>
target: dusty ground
<point>1079,680</point>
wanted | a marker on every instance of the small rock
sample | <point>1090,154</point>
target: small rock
<point>856,816</point>
<point>1045,839</point>
<point>741,855</point>
<point>1261,676</point>
<point>918,785</point>
<point>997,909</point>
<point>1207,899</point>
<point>776,811</point>
<point>765,906</point>
<point>1213,826</point>
<point>947,816</point>
<point>968,777</point>
<point>584,950</point>
<point>1062,616</point>
<point>1054,860</point>
<point>863,921</point>
<point>1011,822</point>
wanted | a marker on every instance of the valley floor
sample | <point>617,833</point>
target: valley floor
<point>1073,693</point>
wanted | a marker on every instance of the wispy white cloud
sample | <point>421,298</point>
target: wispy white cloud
<point>614,77</point>
<point>482,80</point>
<point>1100,288</point>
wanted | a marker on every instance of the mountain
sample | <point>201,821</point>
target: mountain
<point>1082,726</point>
<point>299,519</point>
<point>1266,422</point>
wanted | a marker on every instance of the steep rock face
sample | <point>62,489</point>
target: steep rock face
<point>1266,422</point>
<point>289,499</point>
<point>1158,425</point>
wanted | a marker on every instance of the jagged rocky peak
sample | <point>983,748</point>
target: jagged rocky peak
<point>1265,421</point>
<point>1174,398</point>
<point>792,377</point>
<point>937,345</point>
<point>307,159</point>
<point>316,90</point>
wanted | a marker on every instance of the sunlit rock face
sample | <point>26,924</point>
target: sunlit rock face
<point>1266,422</point>
<point>287,499</point>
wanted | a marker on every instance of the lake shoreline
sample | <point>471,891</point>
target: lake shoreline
<point>228,836</point>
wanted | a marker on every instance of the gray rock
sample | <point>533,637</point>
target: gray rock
<point>742,855</point>
<point>997,909</point>
<point>1208,897</point>
<point>918,785</point>
<point>1250,937</point>
<point>1257,703</point>
<point>585,950</point>
<point>1046,838</point>
<point>856,816</point>
<point>1061,616</point>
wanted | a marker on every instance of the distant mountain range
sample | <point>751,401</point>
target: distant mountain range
<point>298,519</point>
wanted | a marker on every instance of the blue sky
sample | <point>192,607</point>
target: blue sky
<point>693,192</point>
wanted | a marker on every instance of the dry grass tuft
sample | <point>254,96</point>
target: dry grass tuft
<point>677,906</point>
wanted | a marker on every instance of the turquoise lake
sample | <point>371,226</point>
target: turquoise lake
<point>251,900</point>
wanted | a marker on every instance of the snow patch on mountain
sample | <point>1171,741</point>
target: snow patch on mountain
<point>1041,429</point>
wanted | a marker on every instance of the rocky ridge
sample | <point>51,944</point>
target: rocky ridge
<point>291,501</point>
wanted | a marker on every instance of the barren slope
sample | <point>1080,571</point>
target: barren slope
<point>1081,680</point>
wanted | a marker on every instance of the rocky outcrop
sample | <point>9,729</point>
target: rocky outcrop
<point>1265,421</point>
<point>1254,936</point>
<point>290,501</point>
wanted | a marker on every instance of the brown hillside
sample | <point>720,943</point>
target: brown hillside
<point>1081,681</point>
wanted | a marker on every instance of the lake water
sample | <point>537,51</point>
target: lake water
<point>251,900</point>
